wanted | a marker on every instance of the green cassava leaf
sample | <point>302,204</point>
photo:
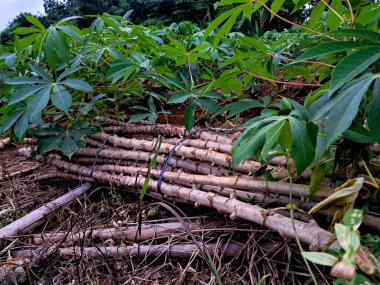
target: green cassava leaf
<point>61,46</point>
<point>78,85</point>
<point>303,150</point>
<point>178,98</point>
<point>23,81</point>
<point>138,117</point>
<point>188,118</point>
<point>34,21</point>
<point>39,101</point>
<point>272,137</point>
<point>49,144</point>
<point>26,31</point>
<point>24,93</point>
<point>235,108</point>
<point>374,113</point>
<point>352,65</point>
<point>316,13</point>
<point>357,33</point>
<point>22,125</point>
<point>68,145</point>
<point>61,99</point>
<point>329,48</point>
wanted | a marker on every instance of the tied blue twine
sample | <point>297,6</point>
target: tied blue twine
<point>163,169</point>
<point>98,154</point>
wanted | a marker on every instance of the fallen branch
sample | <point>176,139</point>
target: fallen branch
<point>19,173</point>
<point>128,233</point>
<point>38,216</point>
<point>181,250</point>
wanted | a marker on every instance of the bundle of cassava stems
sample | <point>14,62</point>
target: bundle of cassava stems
<point>190,168</point>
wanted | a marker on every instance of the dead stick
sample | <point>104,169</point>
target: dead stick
<point>19,173</point>
<point>128,233</point>
<point>181,250</point>
<point>38,216</point>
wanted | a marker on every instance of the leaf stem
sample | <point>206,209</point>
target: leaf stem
<point>293,23</point>
<point>333,10</point>
<point>281,82</point>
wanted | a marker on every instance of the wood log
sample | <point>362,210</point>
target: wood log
<point>38,216</point>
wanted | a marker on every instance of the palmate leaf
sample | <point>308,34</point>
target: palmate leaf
<point>352,65</point>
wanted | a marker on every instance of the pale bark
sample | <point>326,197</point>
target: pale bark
<point>38,216</point>
<point>309,233</point>
<point>127,233</point>
<point>213,157</point>
<point>192,166</point>
<point>168,131</point>
<point>298,190</point>
<point>180,250</point>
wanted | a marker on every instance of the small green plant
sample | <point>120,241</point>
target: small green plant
<point>353,263</point>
